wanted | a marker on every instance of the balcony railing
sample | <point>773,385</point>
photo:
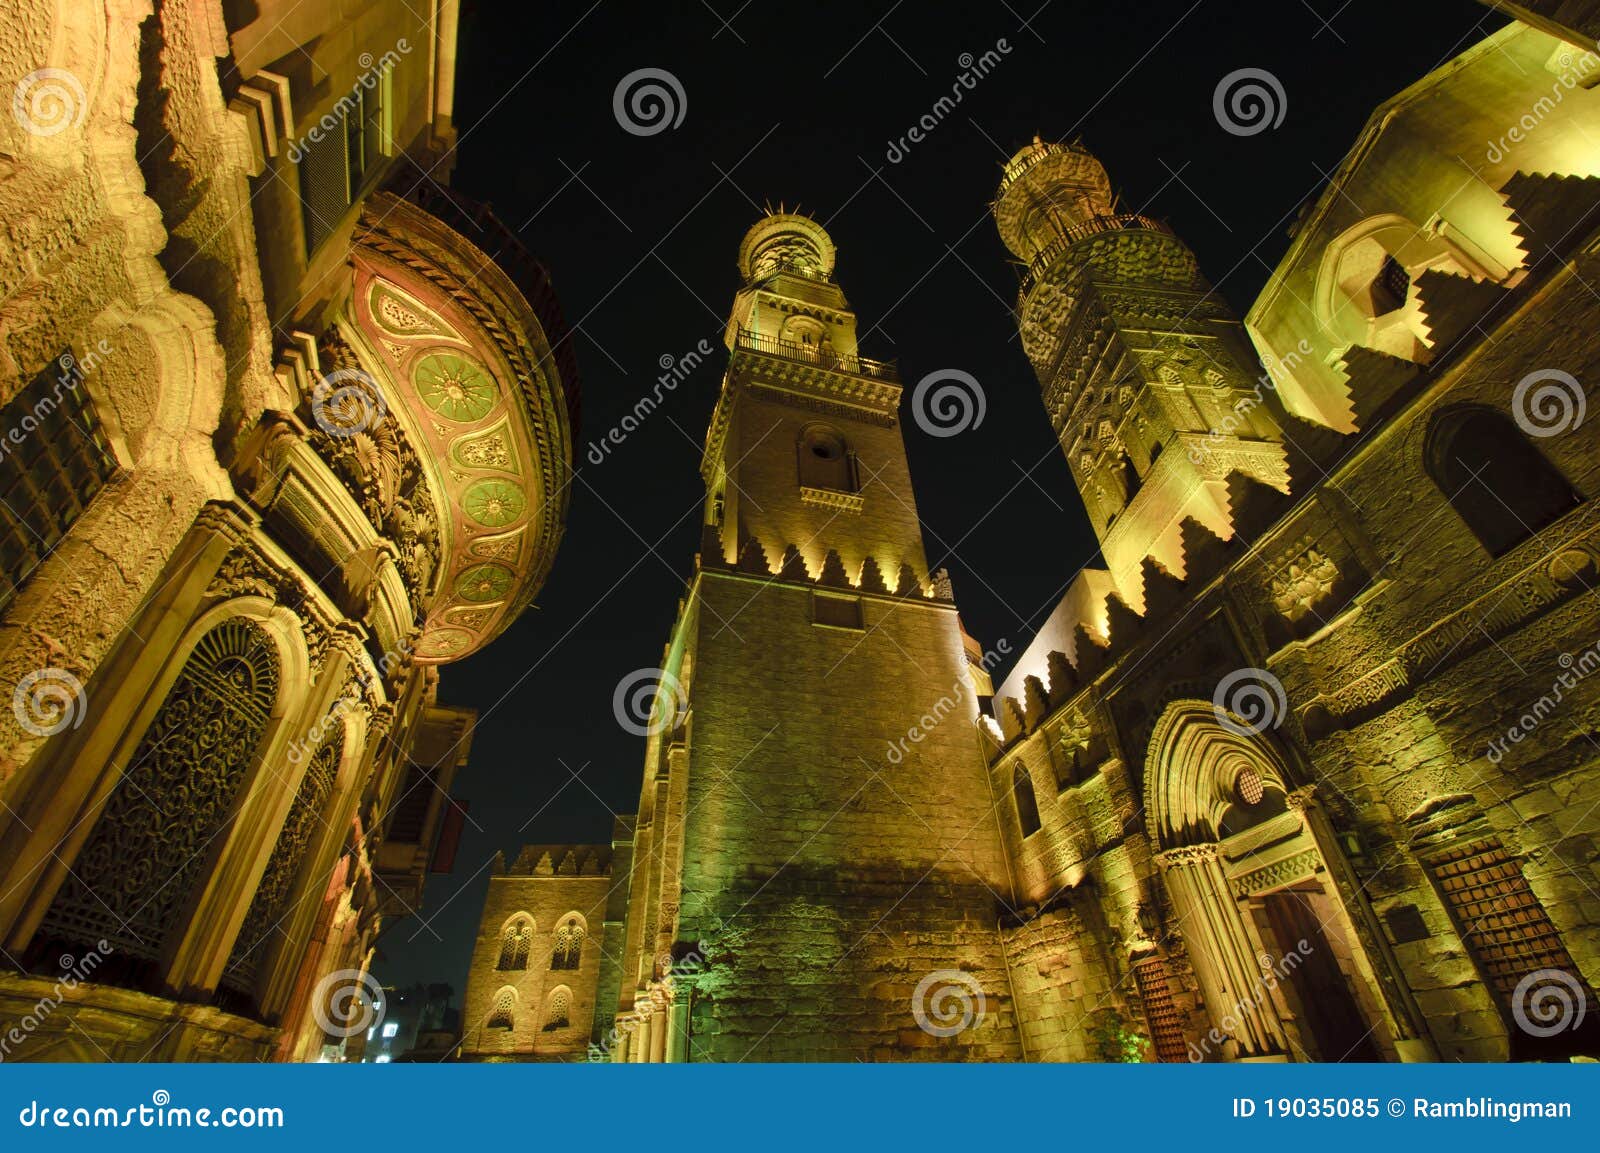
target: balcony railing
<point>1075,233</point>
<point>822,357</point>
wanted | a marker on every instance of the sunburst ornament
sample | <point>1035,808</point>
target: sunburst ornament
<point>456,388</point>
<point>494,502</point>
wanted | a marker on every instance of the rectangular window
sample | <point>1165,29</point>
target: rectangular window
<point>836,611</point>
<point>54,459</point>
<point>341,154</point>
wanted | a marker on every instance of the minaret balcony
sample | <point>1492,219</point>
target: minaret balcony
<point>822,357</point>
<point>1073,234</point>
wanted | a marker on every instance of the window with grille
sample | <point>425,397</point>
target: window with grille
<point>1161,1012</point>
<point>1502,923</point>
<point>569,946</point>
<point>341,151</point>
<point>515,944</point>
<point>54,459</point>
<point>504,1013</point>
<point>556,1016</point>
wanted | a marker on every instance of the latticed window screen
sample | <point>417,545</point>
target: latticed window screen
<point>1502,923</point>
<point>54,459</point>
<point>335,163</point>
<point>569,946</point>
<point>1160,1010</point>
<point>504,1013</point>
<point>271,905</point>
<point>515,945</point>
<point>560,1007</point>
<point>165,817</point>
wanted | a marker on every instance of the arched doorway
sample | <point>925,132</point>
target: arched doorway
<point>1289,960</point>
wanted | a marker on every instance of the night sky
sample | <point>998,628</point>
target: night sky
<point>798,103</point>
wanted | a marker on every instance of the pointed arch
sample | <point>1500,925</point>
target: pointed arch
<point>558,1009</point>
<point>516,942</point>
<point>503,1012</point>
<point>571,929</point>
<point>1204,780</point>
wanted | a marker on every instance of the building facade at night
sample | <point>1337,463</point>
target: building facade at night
<point>1306,771</point>
<point>288,426</point>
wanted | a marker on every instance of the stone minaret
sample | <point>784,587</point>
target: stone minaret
<point>816,831</point>
<point>1150,382</point>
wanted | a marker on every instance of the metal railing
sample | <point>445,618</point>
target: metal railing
<point>823,357</point>
<point>1073,234</point>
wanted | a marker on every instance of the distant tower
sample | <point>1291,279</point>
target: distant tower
<point>816,832</point>
<point>1150,382</point>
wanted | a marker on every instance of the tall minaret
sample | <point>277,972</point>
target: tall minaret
<point>816,833</point>
<point>1150,382</point>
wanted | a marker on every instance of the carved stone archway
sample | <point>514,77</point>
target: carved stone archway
<point>1286,951</point>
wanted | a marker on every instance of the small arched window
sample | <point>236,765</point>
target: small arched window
<point>559,1009</point>
<point>1497,481</point>
<point>516,943</point>
<point>569,944</point>
<point>504,1013</point>
<point>1027,805</point>
<point>826,460</point>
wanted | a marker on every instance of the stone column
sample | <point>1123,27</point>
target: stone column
<point>678,1022</point>
<point>1218,948</point>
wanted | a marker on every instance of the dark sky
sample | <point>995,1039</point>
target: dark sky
<point>798,103</point>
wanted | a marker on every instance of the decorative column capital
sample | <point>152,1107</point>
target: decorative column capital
<point>1185,855</point>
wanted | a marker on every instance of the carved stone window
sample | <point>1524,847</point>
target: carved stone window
<point>159,830</point>
<point>48,477</point>
<point>504,1013</point>
<point>272,902</point>
<point>569,945</point>
<point>825,460</point>
<point>515,944</point>
<point>560,1009</point>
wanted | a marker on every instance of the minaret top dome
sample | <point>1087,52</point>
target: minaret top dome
<point>1046,189</point>
<point>785,241</point>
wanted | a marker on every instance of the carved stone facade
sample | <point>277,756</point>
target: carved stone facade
<point>1305,773</point>
<point>226,764</point>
